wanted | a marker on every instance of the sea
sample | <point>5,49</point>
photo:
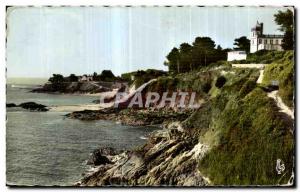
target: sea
<point>48,149</point>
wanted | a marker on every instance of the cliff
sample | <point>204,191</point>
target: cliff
<point>236,137</point>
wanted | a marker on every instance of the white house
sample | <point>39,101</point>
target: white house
<point>236,55</point>
<point>260,41</point>
<point>86,78</point>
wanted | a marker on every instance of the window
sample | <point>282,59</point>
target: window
<point>276,41</point>
<point>266,41</point>
<point>259,41</point>
<point>271,41</point>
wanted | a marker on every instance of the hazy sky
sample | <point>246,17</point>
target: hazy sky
<point>43,41</point>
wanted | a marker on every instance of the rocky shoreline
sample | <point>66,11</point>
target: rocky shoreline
<point>132,117</point>
<point>76,87</point>
<point>31,106</point>
<point>169,158</point>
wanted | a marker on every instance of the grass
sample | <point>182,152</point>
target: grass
<point>262,56</point>
<point>282,70</point>
<point>246,133</point>
<point>199,82</point>
<point>247,136</point>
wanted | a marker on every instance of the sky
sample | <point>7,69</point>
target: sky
<point>42,41</point>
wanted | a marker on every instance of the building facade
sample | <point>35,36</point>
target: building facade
<point>260,41</point>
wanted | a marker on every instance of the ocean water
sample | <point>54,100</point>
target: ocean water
<point>46,149</point>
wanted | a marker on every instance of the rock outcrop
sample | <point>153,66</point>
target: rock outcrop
<point>132,117</point>
<point>75,87</point>
<point>169,158</point>
<point>11,105</point>
<point>31,106</point>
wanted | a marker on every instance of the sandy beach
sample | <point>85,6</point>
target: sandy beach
<point>71,108</point>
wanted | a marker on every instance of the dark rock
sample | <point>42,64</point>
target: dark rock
<point>99,156</point>
<point>11,105</point>
<point>97,101</point>
<point>33,106</point>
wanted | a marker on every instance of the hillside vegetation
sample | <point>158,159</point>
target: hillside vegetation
<point>262,56</point>
<point>282,70</point>
<point>236,137</point>
<point>247,135</point>
<point>243,127</point>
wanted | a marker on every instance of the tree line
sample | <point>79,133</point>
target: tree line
<point>201,53</point>
<point>106,75</point>
<point>203,50</point>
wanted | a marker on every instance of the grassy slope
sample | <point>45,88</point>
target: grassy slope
<point>246,132</point>
<point>282,70</point>
<point>252,135</point>
<point>262,56</point>
<point>243,127</point>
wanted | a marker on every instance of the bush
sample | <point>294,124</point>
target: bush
<point>247,87</point>
<point>220,82</point>
<point>73,78</point>
<point>56,78</point>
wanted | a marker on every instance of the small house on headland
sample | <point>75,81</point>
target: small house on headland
<point>86,78</point>
<point>236,55</point>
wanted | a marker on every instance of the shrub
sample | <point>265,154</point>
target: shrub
<point>247,87</point>
<point>220,82</point>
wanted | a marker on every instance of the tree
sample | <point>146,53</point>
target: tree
<point>107,75</point>
<point>185,57</point>
<point>242,43</point>
<point>56,78</point>
<point>203,52</point>
<point>288,40</point>
<point>73,78</point>
<point>285,19</point>
<point>204,42</point>
<point>190,57</point>
<point>173,60</point>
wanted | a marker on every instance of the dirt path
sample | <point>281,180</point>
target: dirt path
<point>283,108</point>
<point>261,76</point>
<point>274,94</point>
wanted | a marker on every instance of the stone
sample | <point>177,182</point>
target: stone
<point>32,106</point>
<point>11,105</point>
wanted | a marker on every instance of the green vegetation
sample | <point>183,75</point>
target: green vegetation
<point>262,56</point>
<point>285,19</point>
<point>73,78</point>
<point>106,75</point>
<point>282,70</point>
<point>246,134</point>
<point>140,77</point>
<point>251,136</point>
<point>200,82</point>
<point>200,54</point>
<point>56,78</point>
<point>242,43</point>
